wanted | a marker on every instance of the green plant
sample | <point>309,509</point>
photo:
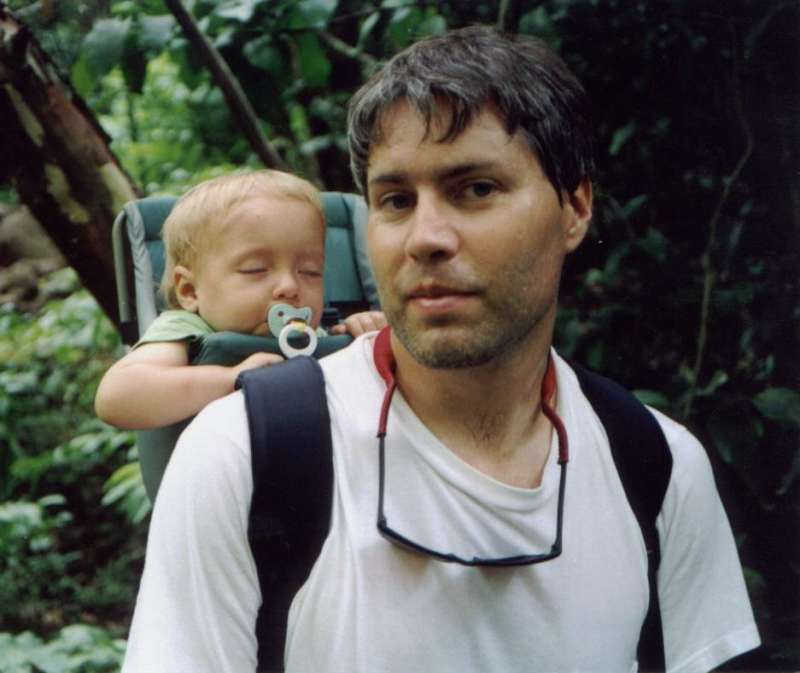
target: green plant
<point>126,490</point>
<point>51,365</point>
<point>64,558</point>
<point>32,567</point>
<point>79,648</point>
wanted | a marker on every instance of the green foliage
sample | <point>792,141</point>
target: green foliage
<point>50,367</point>
<point>125,43</point>
<point>687,287</point>
<point>32,568</point>
<point>64,559</point>
<point>76,649</point>
<point>125,488</point>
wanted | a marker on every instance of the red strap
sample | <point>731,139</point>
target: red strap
<point>385,364</point>
<point>383,356</point>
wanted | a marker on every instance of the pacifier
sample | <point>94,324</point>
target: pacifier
<point>286,321</point>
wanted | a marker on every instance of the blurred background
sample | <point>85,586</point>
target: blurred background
<point>686,290</point>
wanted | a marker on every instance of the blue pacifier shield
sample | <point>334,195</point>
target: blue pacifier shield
<point>285,321</point>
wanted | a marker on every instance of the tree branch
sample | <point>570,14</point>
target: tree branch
<point>503,12</point>
<point>706,264</point>
<point>234,95</point>
<point>341,47</point>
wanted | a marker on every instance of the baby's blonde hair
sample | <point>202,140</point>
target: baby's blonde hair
<point>197,216</point>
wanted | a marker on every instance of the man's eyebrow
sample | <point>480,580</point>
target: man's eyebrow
<point>442,174</point>
<point>389,178</point>
<point>461,170</point>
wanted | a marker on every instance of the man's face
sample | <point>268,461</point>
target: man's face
<point>467,238</point>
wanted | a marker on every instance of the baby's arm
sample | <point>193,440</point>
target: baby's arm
<point>154,385</point>
<point>360,323</point>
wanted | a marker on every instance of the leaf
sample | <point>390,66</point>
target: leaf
<point>596,356</point>
<point>312,13</point>
<point>654,243</point>
<point>366,27</point>
<point>719,379</point>
<point>122,474</point>
<point>298,121</point>
<point>313,61</point>
<point>143,510</point>
<point>315,145</point>
<point>116,493</point>
<point>614,261</point>
<point>755,580</point>
<point>262,54</point>
<point>652,398</point>
<point>633,205</point>
<point>104,45</point>
<point>238,10</point>
<point>432,25</point>
<point>536,22</point>
<point>82,77</point>
<point>54,499</point>
<point>155,32</point>
<point>620,137</point>
<point>402,26</point>
<point>779,404</point>
<point>735,432</point>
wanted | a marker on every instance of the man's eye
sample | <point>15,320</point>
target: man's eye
<point>480,189</point>
<point>396,201</point>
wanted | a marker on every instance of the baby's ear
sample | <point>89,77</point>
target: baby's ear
<point>185,291</point>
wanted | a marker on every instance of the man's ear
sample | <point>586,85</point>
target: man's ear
<point>578,213</point>
<point>185,291</point>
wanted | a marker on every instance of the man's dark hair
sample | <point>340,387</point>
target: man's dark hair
<point>528,84</point>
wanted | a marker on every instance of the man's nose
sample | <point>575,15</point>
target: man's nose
<point>432,235</point>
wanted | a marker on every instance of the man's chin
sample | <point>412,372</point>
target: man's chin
<point>445,346</point>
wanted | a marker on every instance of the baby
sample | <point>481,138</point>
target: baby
<point>235,246</point>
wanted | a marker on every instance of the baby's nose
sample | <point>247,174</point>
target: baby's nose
<point>285,286</point>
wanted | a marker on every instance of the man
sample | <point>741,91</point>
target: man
<point>474,153</point>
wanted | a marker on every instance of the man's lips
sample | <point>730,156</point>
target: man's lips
<point>438,301</point>
<point>437,292</point>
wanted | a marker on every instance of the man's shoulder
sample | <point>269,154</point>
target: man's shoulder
<point>211,461</point>
<point>222,420</point>
<point>353,361</point>
<point>685,448</point>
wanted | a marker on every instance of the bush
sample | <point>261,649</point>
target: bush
<point>79,648</point>
<point>69,566</point>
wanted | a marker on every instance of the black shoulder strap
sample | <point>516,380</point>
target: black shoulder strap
<point>290,512</point>
<point>644,463</point>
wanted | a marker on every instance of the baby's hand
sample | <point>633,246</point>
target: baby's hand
<point>360,323</point>
<point>256,360</point>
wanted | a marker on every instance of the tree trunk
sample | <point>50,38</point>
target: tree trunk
<point>57,157</point>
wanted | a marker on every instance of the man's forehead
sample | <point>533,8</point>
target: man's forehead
<point>434,124</point>
<point>483,145</point>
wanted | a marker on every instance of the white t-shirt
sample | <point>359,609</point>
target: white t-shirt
<point>370,606</point>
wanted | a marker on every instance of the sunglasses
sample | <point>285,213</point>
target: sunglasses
<point>384,361</point>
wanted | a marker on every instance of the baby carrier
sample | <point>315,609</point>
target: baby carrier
<point>139,265</point>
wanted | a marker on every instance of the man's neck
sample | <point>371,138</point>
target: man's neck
<point>490,415</point>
